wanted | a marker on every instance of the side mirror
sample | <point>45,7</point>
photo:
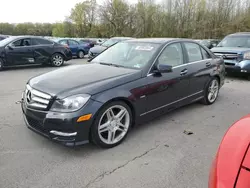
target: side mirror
<point>163,68</point>
<point>9,47</point>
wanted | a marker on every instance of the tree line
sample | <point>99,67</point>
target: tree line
<point>146,18</point>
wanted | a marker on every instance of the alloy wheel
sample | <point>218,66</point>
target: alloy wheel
<point>113,124</point>
<point>57,60</point>
<point>213,90</point>
<point>81,54</point>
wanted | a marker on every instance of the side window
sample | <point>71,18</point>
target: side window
<point>171,55</point>
<point>72,42</point>
<point>193,52</point>
<point>39,41</point>
<point>63,42</point>
<point>21,42</point>
<point>17,43</point>
<point>205,54</point>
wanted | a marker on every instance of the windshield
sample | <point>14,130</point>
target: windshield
<point>110,42</point>
<point>128,54</point>
<point>235,41</point>
<point>6,41</point>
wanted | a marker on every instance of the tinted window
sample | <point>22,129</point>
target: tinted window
<point>39,41</point>
<point>64,42</point>
<point>172,55</point>
<point>72,42</point>
<point>21,42</point>
<point>205,54</point>
<point>193,52</point>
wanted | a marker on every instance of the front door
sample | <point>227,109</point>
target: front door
<point>166,90</point>
<point>20,52</point>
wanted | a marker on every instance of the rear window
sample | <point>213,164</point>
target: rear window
<point>39,41</point>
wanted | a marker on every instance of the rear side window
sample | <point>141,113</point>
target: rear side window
<point>39,41</point>
<point>193,52</point>
<point>205,54</point>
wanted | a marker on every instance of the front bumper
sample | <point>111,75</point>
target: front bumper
<point>242,67</point>
<point>62,127</point>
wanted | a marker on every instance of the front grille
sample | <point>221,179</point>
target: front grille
<point>231,56</point>
<point>36,99</point>
<point>35,124</point>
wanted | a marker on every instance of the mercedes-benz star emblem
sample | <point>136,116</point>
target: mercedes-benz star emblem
<point>224,56</point>
<point>29,96</point>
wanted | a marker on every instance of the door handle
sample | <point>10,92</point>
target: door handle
<point>208,64</point>
<point>183,72</point>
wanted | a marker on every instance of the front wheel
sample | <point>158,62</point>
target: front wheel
<point>111,124</point>
<point>57,60</point>
<point>211,91</point>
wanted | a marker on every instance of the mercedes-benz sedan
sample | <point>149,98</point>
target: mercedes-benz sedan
<point>128,83</point>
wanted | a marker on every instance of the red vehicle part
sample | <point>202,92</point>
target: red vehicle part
<point>231,167</point>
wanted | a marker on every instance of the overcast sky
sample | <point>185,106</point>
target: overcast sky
<point>18,11</point>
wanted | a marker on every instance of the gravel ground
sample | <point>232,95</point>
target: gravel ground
<point>155,155</point>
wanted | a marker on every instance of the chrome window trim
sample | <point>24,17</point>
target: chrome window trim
<point>150,74</point>
<point>158,108</point>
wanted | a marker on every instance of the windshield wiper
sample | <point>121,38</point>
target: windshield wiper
<point>110,64</point>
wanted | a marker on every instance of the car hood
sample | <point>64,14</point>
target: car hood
<point>229,50</point>
<point>98,49</point>
<point>83,79</point>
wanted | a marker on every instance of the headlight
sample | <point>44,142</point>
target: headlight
<point>246,55</point>
<point>70,104</point>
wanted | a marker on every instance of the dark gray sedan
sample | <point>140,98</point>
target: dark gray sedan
<point>130,82</point>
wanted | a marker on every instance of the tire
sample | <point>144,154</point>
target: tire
<point>81,54</point>
<point>108,130</point>
<point>1,64</point>
<point>57,60</point>
<point>207,100</point>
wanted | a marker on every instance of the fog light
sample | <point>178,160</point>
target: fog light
<point>243,70</point>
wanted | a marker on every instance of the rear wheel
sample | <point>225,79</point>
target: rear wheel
<point>211,92</point>
<point>57,60</point>
<point>111,125</point>
<point>81,54</point>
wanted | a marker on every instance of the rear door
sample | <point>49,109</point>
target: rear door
<point>200,65</point>
<point>43,50</point>
<point>20,52</point>
<point>74,45</point>
<point>169,89</point>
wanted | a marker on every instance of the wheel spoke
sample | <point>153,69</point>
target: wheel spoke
<point>122,130</point>
<point>110,114</point>
<point>121,114</point>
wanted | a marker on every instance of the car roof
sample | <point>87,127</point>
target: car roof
<point>240,34</point>
<point>160,40</point>
<point>121,38</point>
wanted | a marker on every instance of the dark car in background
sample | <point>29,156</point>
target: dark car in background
<point>206,43</point>
<point>134,80</point>
<point>93,52</point>
<point>3,37</point>
<point>77,48</point>
<point>27,50</point>
<point>89,42</point>
<point>235,50</point>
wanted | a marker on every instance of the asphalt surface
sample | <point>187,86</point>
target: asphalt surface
<point>155,155</point>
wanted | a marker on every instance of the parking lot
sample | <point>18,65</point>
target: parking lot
<point>156,154</point>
